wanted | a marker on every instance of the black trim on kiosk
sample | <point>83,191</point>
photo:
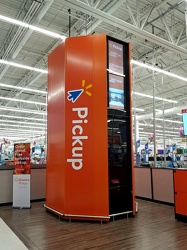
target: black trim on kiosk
<point>119,142</point>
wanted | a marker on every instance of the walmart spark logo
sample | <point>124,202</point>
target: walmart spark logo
<point>73,95</point>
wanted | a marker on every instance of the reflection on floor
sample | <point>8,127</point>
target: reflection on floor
<point>8,240</point>
<point>153,228</point>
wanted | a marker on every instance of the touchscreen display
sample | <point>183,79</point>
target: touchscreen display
<point>116,91</point>
<point>184,117</point>
<point>115,57</point>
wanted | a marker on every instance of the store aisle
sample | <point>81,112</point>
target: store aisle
<point>8,240</point>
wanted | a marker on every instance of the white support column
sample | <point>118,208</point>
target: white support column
<point>137,130</point>
<point>154,113</point>
<point>154,120</point>
<point>136,138</point>
<point>186,16</point>
<point>163,114</point>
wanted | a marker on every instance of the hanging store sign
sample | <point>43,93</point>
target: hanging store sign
<point>138,143</point>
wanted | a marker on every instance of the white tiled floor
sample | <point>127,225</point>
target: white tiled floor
<point>8,240</point>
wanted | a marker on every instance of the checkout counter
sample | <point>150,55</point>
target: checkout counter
<point>156,183</point>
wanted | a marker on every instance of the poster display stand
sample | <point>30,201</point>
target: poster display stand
<point>21,176</point>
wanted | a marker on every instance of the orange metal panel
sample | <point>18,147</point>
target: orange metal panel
<point>56,130</point>
<point>100,139</point>
<point>180,188</point>
<point>180,203</point>
<point>77,160</point>
<point>180,183</point>
<point>86,133</point>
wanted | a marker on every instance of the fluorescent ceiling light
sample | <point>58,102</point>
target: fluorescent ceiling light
<point>159,134</point>
<point>138,109</point>
<point>168,135</point>
<point>24,111</point>
<point>115,73</point>
<point>7,133</point>
<point>22,130</point>
<point>23,118</point>
<point>33,138</point>
<point>17,134</point>
<point>46,32</point>
<point>149,125</point>
<point>179,113</point>
<point>158,70</point>
<point>144,133</point>
<point>22,88</point>
<point>133,61</point>
<point>140,128</point>
<point>20,122</point>
<point>157,98</point>
<point>20,126</point>
<point>20,100</point>
<point>172,132</point>
<point>17,138</point>
<point>23,66</point>
<point>167,120</point>
<point>56,35</point>
<point>26,25</point>
<point>157,126</point>
<point>14,21</point>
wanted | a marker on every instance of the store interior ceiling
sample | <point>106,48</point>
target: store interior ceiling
<point>157,31</point>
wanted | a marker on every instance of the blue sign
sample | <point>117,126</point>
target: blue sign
<point>138,143</point>
<point>138,159</point>
<point>143,151</point>
<point>174,146</point>
<point>73,95</point>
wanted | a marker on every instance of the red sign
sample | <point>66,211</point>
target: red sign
<point>115,139</point>
<point>22,158</point>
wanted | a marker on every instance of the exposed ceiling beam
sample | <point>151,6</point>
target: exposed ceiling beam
<point>123,25</point>
<point>173,110</point>
<point>110,11</point>
<point>45,6</point>
<point>186,16</point>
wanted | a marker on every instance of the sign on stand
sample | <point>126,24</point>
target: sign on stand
<point>21,175</point>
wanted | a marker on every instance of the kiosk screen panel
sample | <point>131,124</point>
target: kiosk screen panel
<point>116,91</point>
<point>184,117</point>
<point>115,57</point>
